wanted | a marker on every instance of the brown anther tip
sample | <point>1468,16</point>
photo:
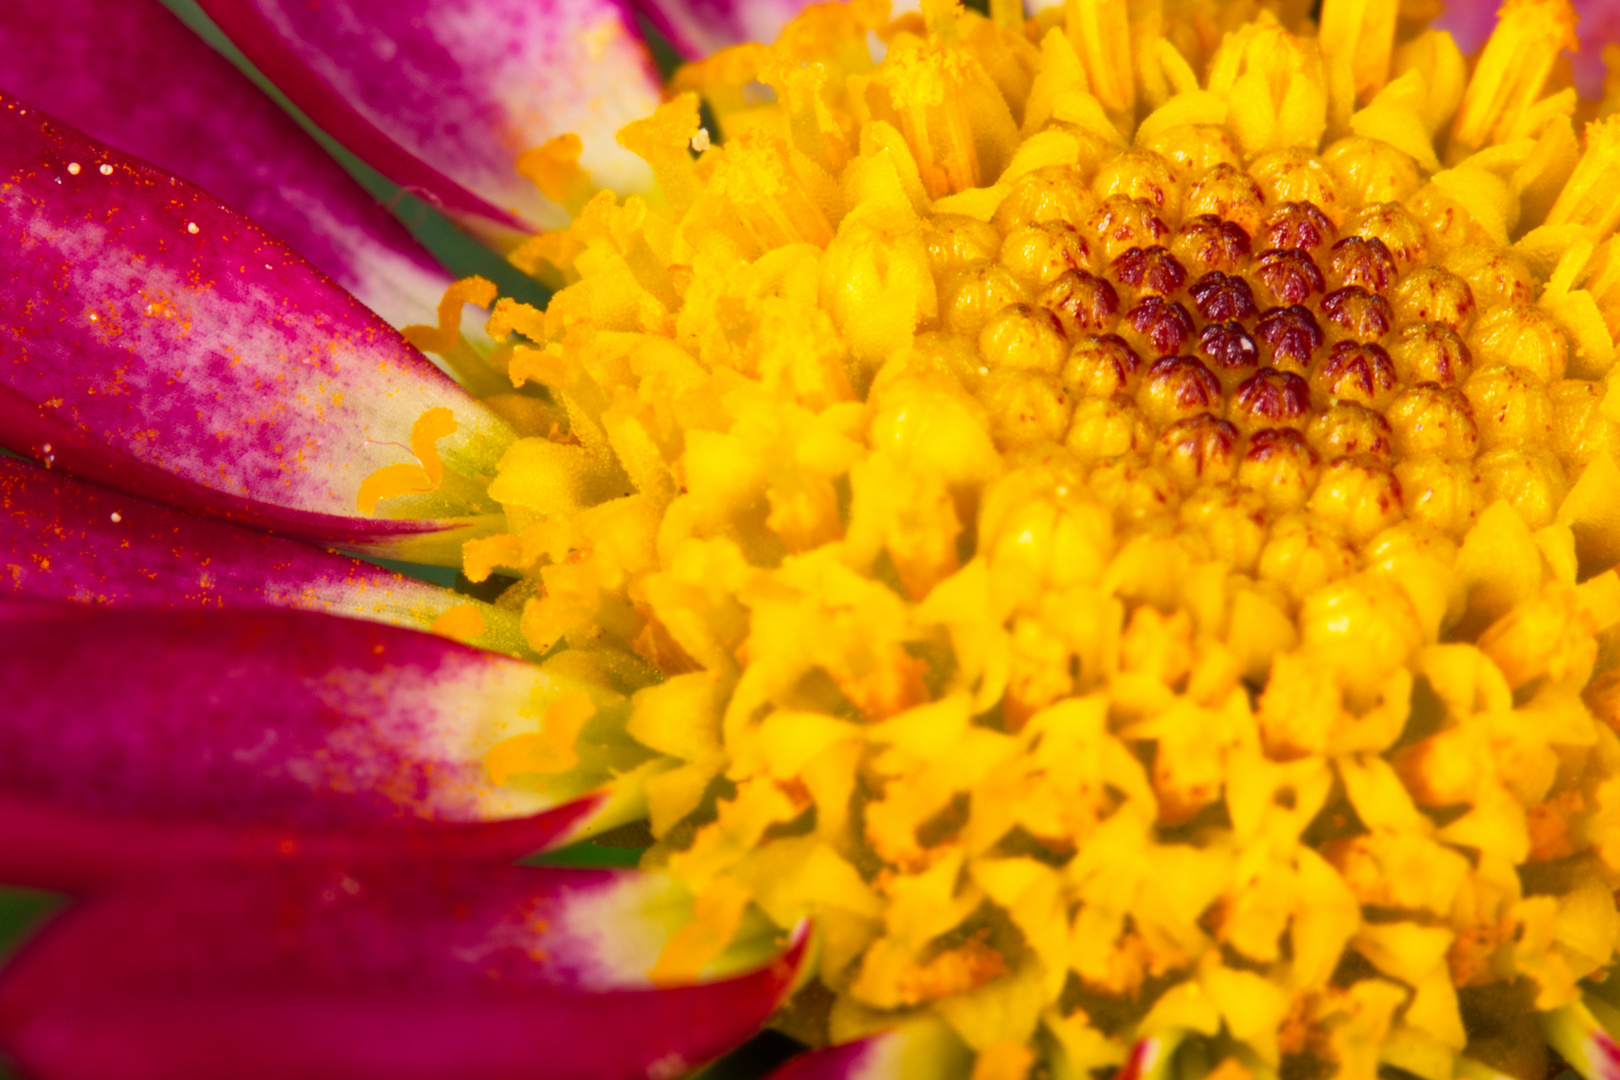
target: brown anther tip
<point>1297,226</point>
<point>1223,297</point>
<point>1150,270</point>
<point>1228,347</point>
<point>1291,336</point>
<point>1358,312</point>
<point>1164,324</point>
<point>1290,275</point>
<point>1271,398</point>
<point>1358,260</point>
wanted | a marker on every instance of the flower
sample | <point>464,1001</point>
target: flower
<point>1108,515</point>
<point>291,849</point>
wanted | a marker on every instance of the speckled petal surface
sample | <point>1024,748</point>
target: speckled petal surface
<point>134,741</point>
<point>64,539</point>
<point>443,96</point>
<point>351,974</point>
<point>700,27</point>
<point>130,74</point>
<point>156,341</point>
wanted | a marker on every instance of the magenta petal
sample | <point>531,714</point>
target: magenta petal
<point>442,98</point>
<point>131,75</point>
<point>700,27</point>
<point>63,539</point>
<point>1469,23</point>
<point>155,341</point>
<point>1598,26</point>
<point>133,742</point>
<point>349,975</point>
<point>861,1060</point>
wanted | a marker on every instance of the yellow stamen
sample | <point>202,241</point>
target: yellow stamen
<point>419,479</point>
<point>1101,33</point>
<point>554,169</point>
<point>480,557</point>
<point>548,751</point>
<point>1003,1061</point>
<point>930,86</point>
<point>663,140</point>
<point>1591,197</point>
<point>766,188</point>
<point>444,337</point>
<point>1511,71</point>
<point>1358,40</point>
<point>446,340</point>
<point>715,917</point>
<point>460,623</point>
<point>1007,14</point>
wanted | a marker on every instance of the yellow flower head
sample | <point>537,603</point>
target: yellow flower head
<point>1112,516</point>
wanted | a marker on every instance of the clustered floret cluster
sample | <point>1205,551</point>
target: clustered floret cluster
<point>1109,514</point>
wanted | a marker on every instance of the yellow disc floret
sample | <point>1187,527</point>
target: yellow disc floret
<point>1113,516</point>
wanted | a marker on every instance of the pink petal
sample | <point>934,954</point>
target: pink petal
<point>1470,22</point>
<point>132,742</point>
<point>155,341</point>
<point>131,75</point>
<point>62,539</point>
<point>924,1049</point>
<point>700,27</point>
<point>1598,24</point>
<point>442,98</point>
<point>863,1060</point>
<point>349,975</point>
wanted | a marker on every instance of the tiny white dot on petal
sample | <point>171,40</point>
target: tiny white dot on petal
<point>117,517</point>
<point>106,170</point>
<point>73,168</point>
<point>191,227</point>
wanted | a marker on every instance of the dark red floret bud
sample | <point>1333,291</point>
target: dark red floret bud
<point>1150,270</point>
<point>1290,275</point>
<point>1290,334</point>
<point>1223,297</point>
<point>1228,347</point>
<point>1166,325</point>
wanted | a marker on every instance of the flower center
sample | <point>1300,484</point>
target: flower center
<point>1096,515</point>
